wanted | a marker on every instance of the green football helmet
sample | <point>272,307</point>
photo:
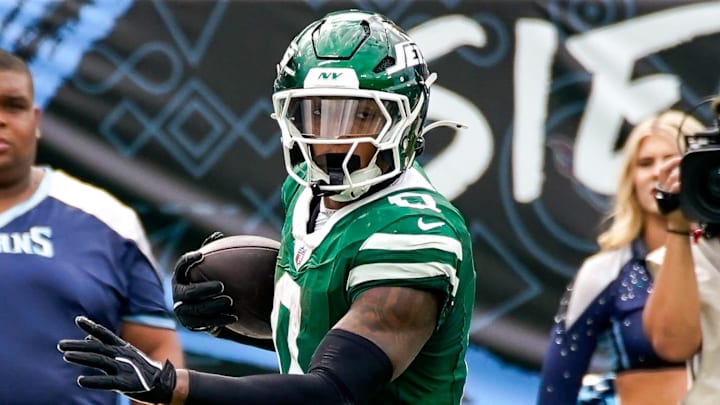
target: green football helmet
<point>351,78</point>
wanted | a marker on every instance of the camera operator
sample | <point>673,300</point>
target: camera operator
<point>682,315</point>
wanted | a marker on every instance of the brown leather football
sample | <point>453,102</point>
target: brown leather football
<point>246,266</point>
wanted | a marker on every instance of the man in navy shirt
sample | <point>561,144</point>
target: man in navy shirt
<point>66,249</point>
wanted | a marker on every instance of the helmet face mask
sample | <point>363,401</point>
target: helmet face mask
<point>344,122</point>
<point>350,83</point>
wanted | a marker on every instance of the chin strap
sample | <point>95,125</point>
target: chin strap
<point>373,170</point>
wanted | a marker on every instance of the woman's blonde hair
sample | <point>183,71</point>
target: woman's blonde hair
<point>627,215</point>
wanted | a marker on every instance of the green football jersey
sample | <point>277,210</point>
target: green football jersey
<point>404,235</point>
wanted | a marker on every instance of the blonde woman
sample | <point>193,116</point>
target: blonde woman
<point>604,303</point>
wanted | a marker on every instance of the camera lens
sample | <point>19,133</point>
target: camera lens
<point>708,188</point>
<point>700,193</point>
<point>714,182</point>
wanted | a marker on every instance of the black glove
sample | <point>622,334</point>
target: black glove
<point>128,370</point>
<point>200,306</point>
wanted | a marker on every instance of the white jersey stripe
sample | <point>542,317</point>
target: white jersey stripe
<point>395,241</point>
<point>386,271</point>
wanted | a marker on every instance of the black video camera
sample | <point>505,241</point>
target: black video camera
<point>700,173</point>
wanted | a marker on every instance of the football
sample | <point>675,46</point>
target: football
<point>246,266</point>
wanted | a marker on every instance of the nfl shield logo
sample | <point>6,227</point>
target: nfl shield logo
<point>300,255</point>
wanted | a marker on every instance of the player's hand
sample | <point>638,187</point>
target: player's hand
<point>127,369</point>
<point>200,306</point>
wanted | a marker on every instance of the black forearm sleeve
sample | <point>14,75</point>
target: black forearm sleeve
<point>228,334</point>
<point>345,369</point>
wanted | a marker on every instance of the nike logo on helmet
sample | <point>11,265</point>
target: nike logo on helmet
<point>426,226</point>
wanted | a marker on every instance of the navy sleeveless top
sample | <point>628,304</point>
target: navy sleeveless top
<point>601,308</point>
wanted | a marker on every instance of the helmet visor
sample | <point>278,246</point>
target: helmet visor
<point>331,117</point>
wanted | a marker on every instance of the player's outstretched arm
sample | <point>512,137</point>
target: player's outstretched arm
<point>346,369</point>
<point>372,344</point>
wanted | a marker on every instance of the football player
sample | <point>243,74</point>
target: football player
<point>375,282</point>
